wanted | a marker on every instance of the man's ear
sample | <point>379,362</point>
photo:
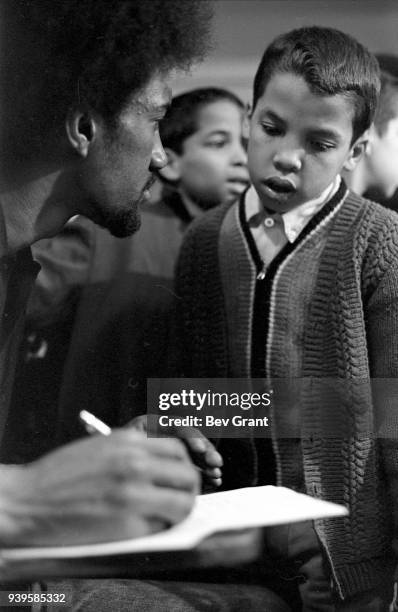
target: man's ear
<point>81,129</point>
<point>356,152</point>
<point>172,170</point>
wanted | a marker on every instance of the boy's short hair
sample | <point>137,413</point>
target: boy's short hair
<point>331,63</point>
<point>181,120</point>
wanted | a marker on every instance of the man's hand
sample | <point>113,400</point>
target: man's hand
<point>102,488</point>
<point>202,451</point>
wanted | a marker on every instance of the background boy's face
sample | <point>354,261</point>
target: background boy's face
<point>382,160</point>
<point>298,142</point>
<point>213,163</point>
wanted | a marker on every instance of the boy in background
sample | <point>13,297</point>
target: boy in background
<point>299,281</point>
<point>377,171</point>
<point>122,331</point>
<point>206,158</point>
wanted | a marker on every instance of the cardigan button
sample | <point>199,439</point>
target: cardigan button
<point>269,222</point>
<point>314,490</point>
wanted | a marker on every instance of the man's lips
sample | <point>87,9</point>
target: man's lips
<point>280,185</point>
<point>145,194</point>
<point>150,182</point>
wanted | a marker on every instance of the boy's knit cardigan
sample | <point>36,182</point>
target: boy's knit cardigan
<point>332,312</point>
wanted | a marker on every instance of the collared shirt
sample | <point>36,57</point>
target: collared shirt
<point>271,231</point>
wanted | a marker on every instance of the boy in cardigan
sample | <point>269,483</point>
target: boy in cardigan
<point>300,280</point>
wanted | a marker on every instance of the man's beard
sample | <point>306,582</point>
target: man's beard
<point>120,222</point>
<point>123,221</point>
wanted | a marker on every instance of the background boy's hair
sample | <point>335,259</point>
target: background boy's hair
<point>387,107</point>
<point>388,63</point>
<point>331,63</point>
<point>181,120</point>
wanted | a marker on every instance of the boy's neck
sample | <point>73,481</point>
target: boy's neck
<point>192,207</point>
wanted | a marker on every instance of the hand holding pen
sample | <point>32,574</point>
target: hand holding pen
<point>113,486</point>
<point>201,450</point>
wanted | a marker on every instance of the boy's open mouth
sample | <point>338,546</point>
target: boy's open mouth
<point>279,185</point>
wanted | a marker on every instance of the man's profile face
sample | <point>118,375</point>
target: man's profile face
<point>117,173</point>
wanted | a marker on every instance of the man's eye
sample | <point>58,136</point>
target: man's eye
<point>158,121</point>
<point>271,129</point>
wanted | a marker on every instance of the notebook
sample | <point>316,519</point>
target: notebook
<point>212,513</point>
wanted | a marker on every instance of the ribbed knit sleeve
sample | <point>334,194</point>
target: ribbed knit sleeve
<point>200,329</point>
<point>381,314</point>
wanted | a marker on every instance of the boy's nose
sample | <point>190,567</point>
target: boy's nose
<point>288,160</point>
<point>239,156</point>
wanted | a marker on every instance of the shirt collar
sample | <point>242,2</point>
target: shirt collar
<point>295,220</point>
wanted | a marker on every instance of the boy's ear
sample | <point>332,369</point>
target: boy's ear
<point>356,152</point>
<point>81,129</point>
<point>371,136</point>
<point>172,170</point>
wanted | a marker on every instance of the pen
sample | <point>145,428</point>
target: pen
<point>94,425</point>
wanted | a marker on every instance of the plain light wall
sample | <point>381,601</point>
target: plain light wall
<point>243,28</point>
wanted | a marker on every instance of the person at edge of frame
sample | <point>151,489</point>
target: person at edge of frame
<point>376,172</point>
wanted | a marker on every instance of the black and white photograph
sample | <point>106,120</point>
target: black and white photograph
<point>199,305</point>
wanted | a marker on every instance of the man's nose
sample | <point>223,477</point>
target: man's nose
<point>288,159</point>
<point>158,156</point>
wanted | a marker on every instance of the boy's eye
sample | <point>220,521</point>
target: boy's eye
<point>216,143</point>
<point>320,146</point>
<point>271,129</point>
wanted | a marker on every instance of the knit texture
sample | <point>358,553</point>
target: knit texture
<point>333,314</point>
